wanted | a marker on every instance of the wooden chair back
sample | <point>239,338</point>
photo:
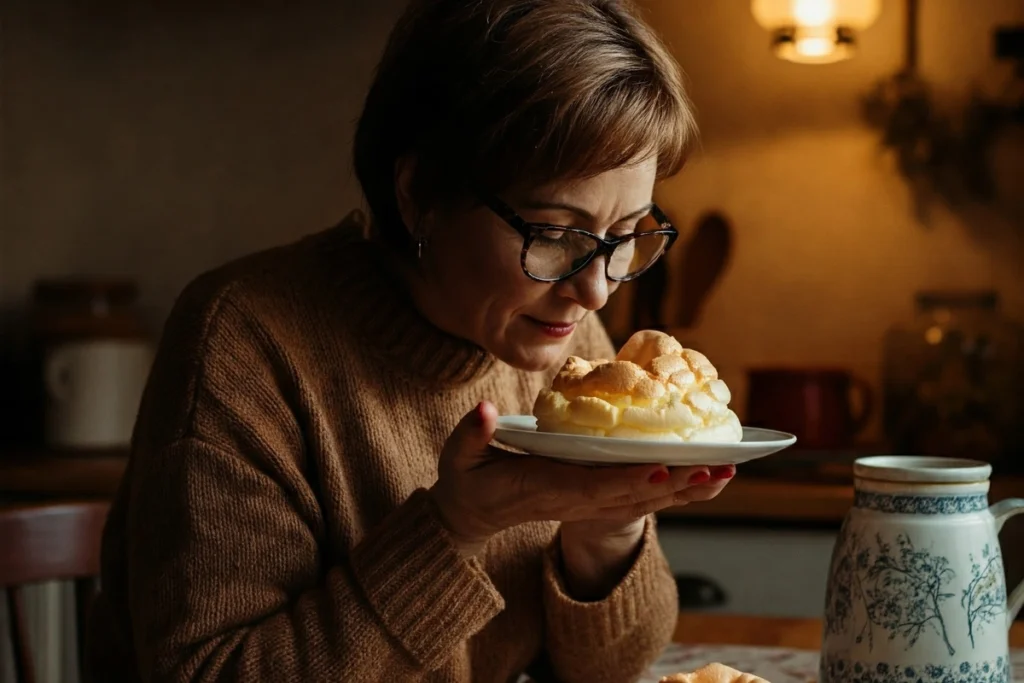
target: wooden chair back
<point>48,542</point>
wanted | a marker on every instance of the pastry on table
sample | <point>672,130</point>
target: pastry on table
<point>654,390</point>
<point>714,673</point>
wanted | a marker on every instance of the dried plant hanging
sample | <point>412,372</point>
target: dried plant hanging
<point>944,155</point>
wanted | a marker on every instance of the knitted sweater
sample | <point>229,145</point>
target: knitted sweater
<point>273,523</point>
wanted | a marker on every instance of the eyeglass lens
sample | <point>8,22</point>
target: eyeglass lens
<point>555,253</point>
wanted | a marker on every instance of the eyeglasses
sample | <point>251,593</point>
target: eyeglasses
<point>552,253</point>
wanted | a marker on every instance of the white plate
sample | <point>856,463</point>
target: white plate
<point>520,431</point>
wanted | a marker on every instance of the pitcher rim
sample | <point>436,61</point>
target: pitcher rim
<point>919,469</point>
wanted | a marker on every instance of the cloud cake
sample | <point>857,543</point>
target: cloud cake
<point>714,673</point>
<point>654,390</point>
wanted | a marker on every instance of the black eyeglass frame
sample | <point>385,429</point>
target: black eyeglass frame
<point>605,246</point>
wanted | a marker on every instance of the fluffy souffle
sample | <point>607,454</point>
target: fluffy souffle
<point>714,673</point>
<point>654,390</point>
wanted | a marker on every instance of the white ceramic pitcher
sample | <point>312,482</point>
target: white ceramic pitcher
<point>916,589</point>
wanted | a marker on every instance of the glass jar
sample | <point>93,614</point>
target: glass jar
<point>953,380</point>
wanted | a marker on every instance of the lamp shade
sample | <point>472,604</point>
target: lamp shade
<point>855,15</point>
<point>814,31</point>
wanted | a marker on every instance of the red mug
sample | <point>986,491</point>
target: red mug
<point>814,404</point>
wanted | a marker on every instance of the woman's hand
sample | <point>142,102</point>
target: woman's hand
<point>597,554</point>
<point>481,490</point>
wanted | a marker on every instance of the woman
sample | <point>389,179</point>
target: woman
<point>311,494</point>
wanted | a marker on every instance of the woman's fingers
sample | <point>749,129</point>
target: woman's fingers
<point>675,479</point>
<point>581,484</point>
<point>544,489</point>
<point>608,486</point>
<point>686,485</point>
<point>627,513</point>
<point>723,472</point>
<point>696,494</point>
<point>616,486</point>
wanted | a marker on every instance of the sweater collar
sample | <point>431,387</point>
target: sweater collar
<point>382,311</point>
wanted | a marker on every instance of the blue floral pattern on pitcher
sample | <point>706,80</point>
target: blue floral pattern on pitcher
<point>916,588</point>
<point>920,505</point>
<point>838,670</point>
<point>984,599</point>
<point>901,588</point>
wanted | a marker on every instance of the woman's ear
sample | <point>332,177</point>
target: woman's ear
<point>405,171</point>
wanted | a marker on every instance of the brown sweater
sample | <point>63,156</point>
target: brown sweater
<point>273,524</point>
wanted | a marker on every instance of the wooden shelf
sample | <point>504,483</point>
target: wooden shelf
<point>804,498</point>
<point>50,475</point>
<point>779,500</point>
<point>771,500</point>
<point>697,628</point>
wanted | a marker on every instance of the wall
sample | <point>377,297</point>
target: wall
<point>828,250</point>
<point>159,139</point>
<point>159,142</point>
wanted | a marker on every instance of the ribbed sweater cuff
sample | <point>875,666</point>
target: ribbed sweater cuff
<point>637,601</point>
<point>428,596</point>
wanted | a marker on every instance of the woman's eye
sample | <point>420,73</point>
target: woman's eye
<point>622,231</point>
<point>551,235</point>
<point>644,224</point>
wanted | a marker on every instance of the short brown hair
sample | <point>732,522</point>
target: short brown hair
<point>492,94</point>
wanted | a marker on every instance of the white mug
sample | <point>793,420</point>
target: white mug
<point>94,388</point>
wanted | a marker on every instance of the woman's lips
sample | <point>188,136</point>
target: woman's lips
<point>553,328</point>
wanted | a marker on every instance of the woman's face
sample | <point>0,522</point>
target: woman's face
<point>469,281</point>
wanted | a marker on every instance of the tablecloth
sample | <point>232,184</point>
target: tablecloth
<point>774,664</point>
<point>777,665</point>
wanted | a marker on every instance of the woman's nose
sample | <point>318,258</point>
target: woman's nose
<point>589,287</point>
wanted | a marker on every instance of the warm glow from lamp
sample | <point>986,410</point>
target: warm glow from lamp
<point>814,47</point>
<point>814,31</point>
<point>814,12</point>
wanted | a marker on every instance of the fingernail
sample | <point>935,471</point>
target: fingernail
<point>699,477</point>
<point>659,477</point>
<point>723,472</point>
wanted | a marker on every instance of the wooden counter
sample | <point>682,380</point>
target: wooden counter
<point>47,475</point>
<point>754,497</point>
<point>778,500</point>
<point>805,634</point>
<point>773,500</point>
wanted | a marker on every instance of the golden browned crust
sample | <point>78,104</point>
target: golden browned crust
<point>653,389</point>
<point>714,673</point>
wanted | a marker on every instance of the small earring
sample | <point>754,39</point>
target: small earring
<point>420,243</point>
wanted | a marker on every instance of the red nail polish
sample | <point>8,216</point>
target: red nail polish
<point>723,472</point>
<point>699,477</point>
<point>659,477</point>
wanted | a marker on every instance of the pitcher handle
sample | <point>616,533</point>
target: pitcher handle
<point>1002,511</point>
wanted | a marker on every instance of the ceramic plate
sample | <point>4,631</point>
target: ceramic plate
<point>520,431</point>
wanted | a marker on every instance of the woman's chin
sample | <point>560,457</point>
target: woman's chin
<point>538,357</point>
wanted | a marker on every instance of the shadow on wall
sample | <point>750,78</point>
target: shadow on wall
<point>746,96</point>
<point>828,252</point>
<point>156,140</point>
